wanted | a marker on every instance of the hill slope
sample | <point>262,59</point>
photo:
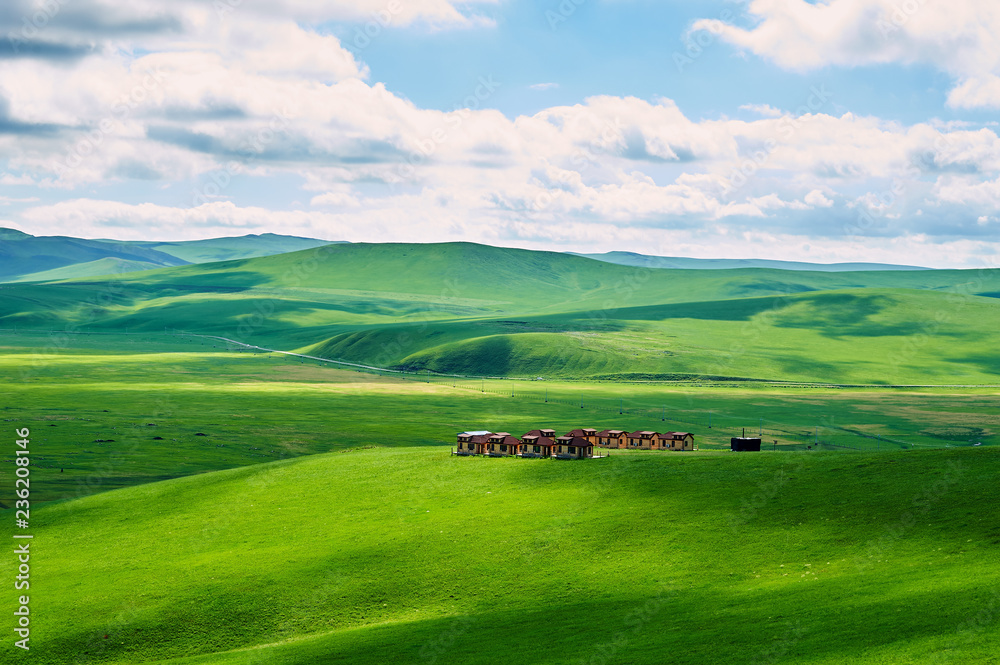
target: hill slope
<point>23,254</point>
<point>413,557</point>
<point>474,309</point>
<point>676,262</point>
<point>105,266</point>
<point>241,247</point>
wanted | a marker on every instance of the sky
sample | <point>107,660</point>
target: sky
<point>825,131</point>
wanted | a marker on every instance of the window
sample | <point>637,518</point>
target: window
<point>536,449</point>
<point>572,449</point>
<point>503,448</point>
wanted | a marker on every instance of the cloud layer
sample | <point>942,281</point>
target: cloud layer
<point>215,100</point>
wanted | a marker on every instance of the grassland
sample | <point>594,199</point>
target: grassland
<point>411,556</point>
<point>110,411</point>
<point>484,311</point>
<point>195,502</point>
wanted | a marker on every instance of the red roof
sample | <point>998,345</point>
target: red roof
<point>675,435</point>
<point>582,432</point>
<point>641,434</point>
<point>577,441</point>
<point>541,441</point>
<point>612,433</point>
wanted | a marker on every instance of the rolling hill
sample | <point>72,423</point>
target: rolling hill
<point>22,254</point>
<point>479,310</point>
<point>24,257</point>
<point>682,263</point>
<point>412,556</point>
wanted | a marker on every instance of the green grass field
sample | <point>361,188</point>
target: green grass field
<point>484,311</point>
<point>98,403</point>
<point>410,556</point>
<point>194,501</point>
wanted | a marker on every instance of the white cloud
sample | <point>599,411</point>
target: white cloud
<point>543,86</point>
<point>765,110</point>
<point>958,37</point>
<point>817,199</point>
<point>256,99</point>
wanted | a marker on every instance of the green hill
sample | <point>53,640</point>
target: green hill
<point>225,249</point>
<point>22,254</point>
<point>411,556</point>
<point>24,257</point>
<point>479,310</point>
<point>105,266</point>
<point>676,262</point>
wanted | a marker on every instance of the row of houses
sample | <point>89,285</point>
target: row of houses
<point>575,444</point>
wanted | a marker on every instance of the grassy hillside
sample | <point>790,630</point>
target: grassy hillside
<point>411,556</point>
<point>23,254</point>
<point>478,310</point>
<point>646,261</point>
<point>111,411</point>
<point>105,266</point>
<point>24,257</point>
<point>225,249</point>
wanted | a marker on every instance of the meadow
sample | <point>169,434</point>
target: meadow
<point>110,411</point>
<point>203,501</point>
<point>485,311</point>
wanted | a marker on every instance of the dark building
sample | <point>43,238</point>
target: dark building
<point>740,444</point>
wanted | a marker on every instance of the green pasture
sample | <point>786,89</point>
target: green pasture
<point>459,308</point>
<point>410,555</point>
<point>108,411</point>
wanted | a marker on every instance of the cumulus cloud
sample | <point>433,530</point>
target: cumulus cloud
<point>255,97</point>
<point>958,37</point>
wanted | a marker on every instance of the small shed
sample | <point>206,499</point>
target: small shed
<point>741,444</point>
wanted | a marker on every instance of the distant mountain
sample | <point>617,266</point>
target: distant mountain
<point>227,249</point>
<point>24,257</point>
<point>105,266</point>
<point>24,254</point>
<point>679,263</point>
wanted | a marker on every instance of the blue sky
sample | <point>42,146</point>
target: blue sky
<point>843,130</point>
<point>628,49</point>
